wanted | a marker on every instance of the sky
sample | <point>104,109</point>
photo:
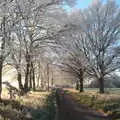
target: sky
<point>84,4</point>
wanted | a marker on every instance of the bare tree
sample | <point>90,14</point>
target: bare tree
<point>96,33</point>
<point>31,27</point>
<point>5,32</point>
<point>99,35</point>
<point>16,59</point>
<point>71,58</point>
<point>27,25</point>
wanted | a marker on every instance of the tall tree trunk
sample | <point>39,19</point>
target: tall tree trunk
<point>52,82</point>
<point>19,77</point>
<point>30,83</point>
<point>42,83</point>
<point>52,79</point>
<point>81,85</point>
<point>101,85</point>
<point>48,76</point>
<point>1,66</point>
<point>2,53</point>
<point>33,74</point>
<point>81,80</point>
<point>38,80</point>
<point>26,77</point>
<point>77,85</point>
<point>48,84</point>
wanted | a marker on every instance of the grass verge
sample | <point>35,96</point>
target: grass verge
<point>109,104</point>
<point>33,106</point>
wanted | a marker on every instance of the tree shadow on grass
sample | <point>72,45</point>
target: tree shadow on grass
<point>14,110</point>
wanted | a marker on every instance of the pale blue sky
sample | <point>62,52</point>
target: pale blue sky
<point>84,4</point>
